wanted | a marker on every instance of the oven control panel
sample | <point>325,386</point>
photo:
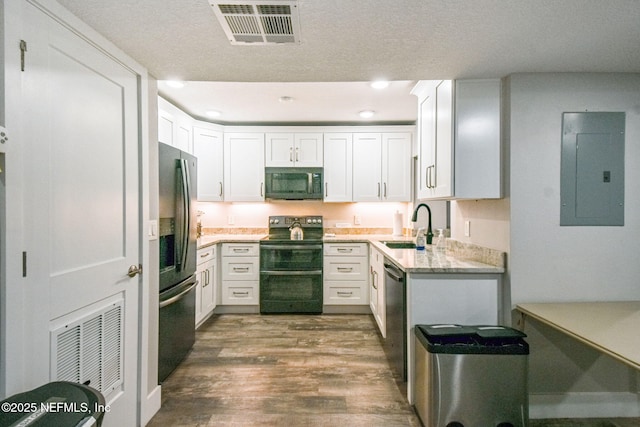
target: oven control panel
<point>288,221</point>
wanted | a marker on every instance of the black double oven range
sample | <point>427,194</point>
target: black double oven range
<point>291,265</point>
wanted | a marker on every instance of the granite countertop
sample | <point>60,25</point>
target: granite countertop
<point>431,261</point>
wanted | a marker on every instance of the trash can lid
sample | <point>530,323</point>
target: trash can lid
<point>473,339</point>
<point>488,331</point>
<point>58,403</point>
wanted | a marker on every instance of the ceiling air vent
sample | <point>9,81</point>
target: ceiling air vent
<point>259,22</point>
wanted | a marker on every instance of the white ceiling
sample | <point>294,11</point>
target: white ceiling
<point>361,40</point>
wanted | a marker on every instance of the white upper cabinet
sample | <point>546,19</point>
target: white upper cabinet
<point>174,126</point>
<point>396,167</point>
<point>477,139</point>
<point>459,139</point>
<point>338,167</point>
<point>244,167</point>
<point>367,167</point>
<point>208,147</point>
<point>381,167</point>
<point>294,149</point>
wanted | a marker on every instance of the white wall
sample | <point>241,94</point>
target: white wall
<point>549,263</point>
<point>371,215</point>
<point>553,263</point>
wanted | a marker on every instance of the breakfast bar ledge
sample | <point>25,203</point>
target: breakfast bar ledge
<point>609,327</point>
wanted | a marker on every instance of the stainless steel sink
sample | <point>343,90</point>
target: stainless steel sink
<point>399,245</point>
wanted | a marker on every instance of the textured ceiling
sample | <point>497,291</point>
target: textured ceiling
<point>361,40</point>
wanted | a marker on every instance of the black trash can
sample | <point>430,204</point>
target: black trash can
<point>471,376</point>
<point>59,404</point>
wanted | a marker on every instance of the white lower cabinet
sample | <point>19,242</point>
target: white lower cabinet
<point>240,274</point>
<point>449,298</point>
<point>207,284</point>
<point>377,300</point>
<point>345,274</point>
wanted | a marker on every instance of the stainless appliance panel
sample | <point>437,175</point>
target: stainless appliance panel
<point>293,183</point>
<point>176,326</point>
<point>395,345</point>
<point>287,256</point>
<point>177,256</point>
<point>177,176</point>
<point>291,292</point>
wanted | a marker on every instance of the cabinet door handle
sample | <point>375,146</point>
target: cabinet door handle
<point>378,189</point>
<point>385,190</point>
<point>434,180</point>
<point>345,250</point>
<point>326,189</point>
<point>240,250</point>
<point>297,154</point>
<point>220,188</point>
<point>347,294</point>
<point>206,254</point>
<point>241,269</point>
<point>345,269</point>
<point>262,189</point>
<point>291,154</point>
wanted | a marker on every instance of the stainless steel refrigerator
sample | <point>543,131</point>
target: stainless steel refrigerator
<point>177,231</point>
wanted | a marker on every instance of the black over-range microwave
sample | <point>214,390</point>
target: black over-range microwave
<point>293,183</point>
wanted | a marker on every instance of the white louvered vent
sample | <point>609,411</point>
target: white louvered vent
<point>90,349</point>
<point>258,22</point>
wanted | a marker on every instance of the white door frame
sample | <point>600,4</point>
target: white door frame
<point>14,309</point>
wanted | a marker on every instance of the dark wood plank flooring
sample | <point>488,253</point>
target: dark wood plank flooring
<point>284,370</point>
<point>294,370</point>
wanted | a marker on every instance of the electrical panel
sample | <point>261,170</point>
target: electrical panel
<point>592,169</point>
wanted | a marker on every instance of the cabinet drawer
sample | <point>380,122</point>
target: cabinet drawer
<point>345,268</point>
<point>240,268</point>
<point>240,293</point>
<point>240,249</point>
<point>339,293</point>
<point>206,254</point>
<point>345,249</point>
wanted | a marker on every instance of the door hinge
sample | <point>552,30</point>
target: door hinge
<point>23,49</point>
<point>24,264</point>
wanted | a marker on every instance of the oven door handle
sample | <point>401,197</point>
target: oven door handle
<point>292,273</point>
<point>289,247</point>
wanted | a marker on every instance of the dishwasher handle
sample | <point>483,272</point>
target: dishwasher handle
<point>393,272</point>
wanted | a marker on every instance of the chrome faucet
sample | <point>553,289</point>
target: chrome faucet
<point>414,218</point>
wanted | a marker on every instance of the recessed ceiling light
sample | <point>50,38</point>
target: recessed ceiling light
<point>285,99</point>
<point>366,114</point>
<point>380,84</point>
<point>213,113</point>
<point>176,84</point>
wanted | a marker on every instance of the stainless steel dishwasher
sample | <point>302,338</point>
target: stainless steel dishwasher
<point>395,345</point>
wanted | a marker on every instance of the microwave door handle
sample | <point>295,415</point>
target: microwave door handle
<point>309,183</point>
<point>186,208</point>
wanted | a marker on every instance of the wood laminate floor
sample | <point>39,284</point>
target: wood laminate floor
<point>294,370</point>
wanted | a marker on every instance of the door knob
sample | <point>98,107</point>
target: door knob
<point>134,270</point>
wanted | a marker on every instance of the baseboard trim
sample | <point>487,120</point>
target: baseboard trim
<point>152,405</point>
<point>584,405</point>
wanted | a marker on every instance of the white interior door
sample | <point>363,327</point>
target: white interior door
<point>81,205</point>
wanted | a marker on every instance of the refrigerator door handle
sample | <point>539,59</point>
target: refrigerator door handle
<point>186,208</point>
<point>178,292</point>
